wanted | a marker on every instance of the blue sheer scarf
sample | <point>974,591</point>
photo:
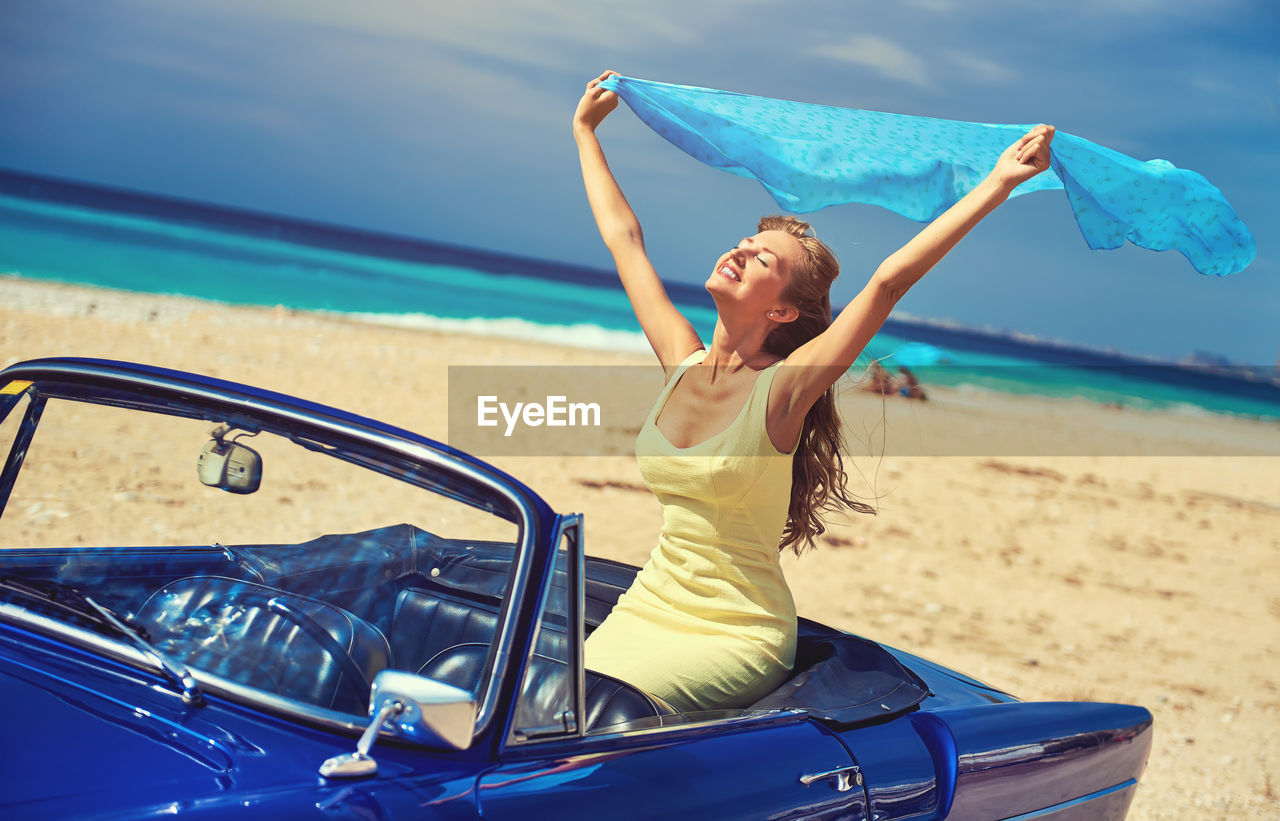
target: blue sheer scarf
<point>810,156</point>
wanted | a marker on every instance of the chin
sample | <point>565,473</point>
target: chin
<point>716,287</point>
<point>718,284</point>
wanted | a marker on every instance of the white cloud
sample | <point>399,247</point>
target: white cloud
<point>882,56</point>
<point>1184,8</point>
<point>981,69</point>
<point>536,33</point>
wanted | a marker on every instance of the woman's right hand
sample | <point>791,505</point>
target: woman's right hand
<point>595,105</point>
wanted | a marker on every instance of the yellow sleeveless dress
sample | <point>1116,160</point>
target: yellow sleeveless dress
<point>709,622</point>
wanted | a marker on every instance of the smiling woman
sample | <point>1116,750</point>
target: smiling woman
<point>743,445</point>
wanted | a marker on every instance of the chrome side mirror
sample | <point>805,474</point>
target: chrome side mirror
<point>435,714</point>
<point>419,709</point>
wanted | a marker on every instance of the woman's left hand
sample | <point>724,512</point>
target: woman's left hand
<point>1025,158</point>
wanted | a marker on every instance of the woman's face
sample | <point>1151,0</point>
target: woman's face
<point>753,276</point>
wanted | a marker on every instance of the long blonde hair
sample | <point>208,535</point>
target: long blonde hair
<point>817,471</point>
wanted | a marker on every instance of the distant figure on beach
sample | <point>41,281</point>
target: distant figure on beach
<point>742,447</point>
<point>879,381</point>
<point>909,386</point>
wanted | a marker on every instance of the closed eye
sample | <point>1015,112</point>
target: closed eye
<point>759,255</point>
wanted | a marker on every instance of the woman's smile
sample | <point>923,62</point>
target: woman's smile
<point>728,271</point>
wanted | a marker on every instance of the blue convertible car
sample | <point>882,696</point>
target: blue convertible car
<point>220,601</point>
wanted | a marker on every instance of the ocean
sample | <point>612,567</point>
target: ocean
<point>64,231</point>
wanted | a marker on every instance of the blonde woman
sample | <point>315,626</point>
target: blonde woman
<point>742,447</point>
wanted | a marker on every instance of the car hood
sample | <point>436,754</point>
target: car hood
<point>86,737</point>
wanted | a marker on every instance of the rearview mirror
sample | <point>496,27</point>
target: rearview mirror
<point>229,466</point>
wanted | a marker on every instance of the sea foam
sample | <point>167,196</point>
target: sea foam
<point>579,335</point>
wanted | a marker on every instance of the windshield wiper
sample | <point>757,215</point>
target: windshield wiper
<point>83,604</point>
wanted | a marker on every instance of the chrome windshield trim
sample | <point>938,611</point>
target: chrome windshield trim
<point>575,581</point>
<point>502,651</point>
<point>784,715</point>
<point>587,743</point>
<point>211,683</point>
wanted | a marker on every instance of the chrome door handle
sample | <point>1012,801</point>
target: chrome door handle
<point>845,777</point>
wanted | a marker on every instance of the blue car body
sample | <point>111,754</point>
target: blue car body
<point>254,660</point>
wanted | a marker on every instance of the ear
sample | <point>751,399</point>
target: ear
<point>783,313</point>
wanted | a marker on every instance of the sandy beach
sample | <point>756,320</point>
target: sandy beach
<point>1150,577</point>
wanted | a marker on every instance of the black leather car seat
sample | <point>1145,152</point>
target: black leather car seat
<point>608,701</point>
<point>426,622</point>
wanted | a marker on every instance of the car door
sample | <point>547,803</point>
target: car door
<point>746,766</point>
<point>715,765</point>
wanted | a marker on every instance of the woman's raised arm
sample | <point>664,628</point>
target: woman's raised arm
<point>668,331</point>
<point>832,352</point>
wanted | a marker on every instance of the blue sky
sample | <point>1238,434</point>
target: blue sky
<point>450,121</point>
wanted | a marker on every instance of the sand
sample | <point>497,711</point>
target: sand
<point>1149,577</point>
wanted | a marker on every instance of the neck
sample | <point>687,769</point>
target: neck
<point>736,345</point>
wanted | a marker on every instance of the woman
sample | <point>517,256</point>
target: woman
<point>742,447</point>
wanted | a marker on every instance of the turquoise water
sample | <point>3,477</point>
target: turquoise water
<point>70,244</point>
<point>90,246</point>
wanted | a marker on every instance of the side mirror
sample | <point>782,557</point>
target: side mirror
<point>435,714</point>
<point>229,466</point>
<point>412,707</point>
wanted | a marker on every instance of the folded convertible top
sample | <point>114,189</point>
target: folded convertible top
<point>846,680</point>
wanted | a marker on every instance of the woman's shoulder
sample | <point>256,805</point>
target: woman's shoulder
<point>695,356</point>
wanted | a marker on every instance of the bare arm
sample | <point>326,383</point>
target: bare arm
<point>831,353</point>
<point>669,333</point>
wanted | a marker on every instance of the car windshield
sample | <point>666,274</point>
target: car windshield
<point>296,585</point>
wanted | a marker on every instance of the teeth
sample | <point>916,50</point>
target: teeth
<point>730,273</point>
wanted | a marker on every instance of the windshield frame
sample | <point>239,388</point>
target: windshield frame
<point>366,443</point>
